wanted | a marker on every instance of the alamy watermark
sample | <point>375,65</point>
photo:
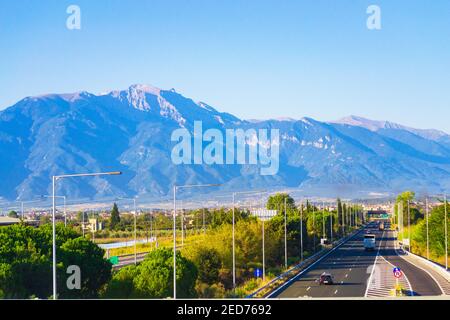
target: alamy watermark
<point>74,280</point>
<point>263,147</point>
<point>374,19</point>
<point>73,21</point>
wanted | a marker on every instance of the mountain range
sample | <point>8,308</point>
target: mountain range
<point>130,131</point>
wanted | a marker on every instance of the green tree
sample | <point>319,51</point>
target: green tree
<point>208,263</point>
<point>436,231</point>
<point>121,285</point>
<point>153,278</point>
<point>276,202</point>
<point>115,217</point>
<point>414,213</point>
<point>13,214</point>
<point>26,262</point>
<point>95,270</point>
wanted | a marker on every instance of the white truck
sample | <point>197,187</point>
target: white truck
<point>369,242</point>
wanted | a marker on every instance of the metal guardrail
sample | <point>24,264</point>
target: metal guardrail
<point>286,276</point>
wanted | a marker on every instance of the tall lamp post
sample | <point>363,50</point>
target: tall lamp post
<point>285,234</point>
<point>233,229</point>
<point>54,180</point>
<point>65,213</point>
<point>22,209</point>
<point>409,226</point>
<point>446,232</point>
<point>264,215</point>
<point>428,235</point>
<point>175,189</point>
<point>135,233</point>
<point>301,231</point>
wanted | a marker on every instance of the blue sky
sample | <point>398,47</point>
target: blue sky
<point>253,58</point>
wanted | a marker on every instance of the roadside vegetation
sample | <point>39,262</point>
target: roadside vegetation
<point>204,258</point>
<point>418,227</point>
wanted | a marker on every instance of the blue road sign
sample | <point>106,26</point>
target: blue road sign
<point>397,272</point>
<point>258,273</point>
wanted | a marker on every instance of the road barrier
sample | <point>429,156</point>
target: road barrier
<point>438,268</point>
<point>271,287</point>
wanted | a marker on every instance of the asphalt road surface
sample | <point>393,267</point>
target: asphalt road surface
<point>351,267</point>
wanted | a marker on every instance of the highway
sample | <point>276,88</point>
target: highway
<point>351,267</point>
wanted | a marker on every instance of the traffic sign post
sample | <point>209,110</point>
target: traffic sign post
<point>257,273</point>
<point>114,260</point>
<point>397,274</point>
<point>264,215</point>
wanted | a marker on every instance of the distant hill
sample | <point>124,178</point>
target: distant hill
<point>130,131</point>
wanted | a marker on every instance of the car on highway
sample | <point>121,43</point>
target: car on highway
<point>369,242</point>
<point>326,279</point>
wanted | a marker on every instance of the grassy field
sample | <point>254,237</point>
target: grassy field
<point>163,241</point>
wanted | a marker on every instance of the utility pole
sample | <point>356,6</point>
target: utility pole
<point>174,242</point>
<point>182,224</point>
<point>428,234</point>
<point>285,234</point>
<point>301,232</point>
<point>204,229</point>
<point>409,226</point>
<point>331,226</point>
<point>323,220</point>
<point>446,232</point>
<point>234,245</point>
<point>314,226</point>
<point>343,218</point>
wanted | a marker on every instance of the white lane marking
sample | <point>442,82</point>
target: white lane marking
<point>342,282</point>
<point>432,277</point>
<point>373,267</point>
<point>336,292</point>
<point>309,288</point>
<point>313,264</point>
<point>346,275</point>
<point>404,276</point>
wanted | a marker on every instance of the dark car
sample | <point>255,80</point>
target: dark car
<point>326,278</point>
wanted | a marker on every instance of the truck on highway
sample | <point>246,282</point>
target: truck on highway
<point>369,242</point>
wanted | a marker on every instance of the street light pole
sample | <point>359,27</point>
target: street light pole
<point>233,240</point>
<point>331,225</point>
<point>428,235</point>
<point>285,234</point>
<point>409,226</point>
<point>135,235</point>
<point>135,226</point>
<point>54,180</point>
<point>54,238</point>
<point>204,227</point>
<point>65,213</point>
<point>446,232</point>
<point>323,220</point>
<point>233,230</point>
<point>314,227</point>
<point>301,232</point>
<point>174,242</point>
<point>263,252</point>
<point>175,188</point>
